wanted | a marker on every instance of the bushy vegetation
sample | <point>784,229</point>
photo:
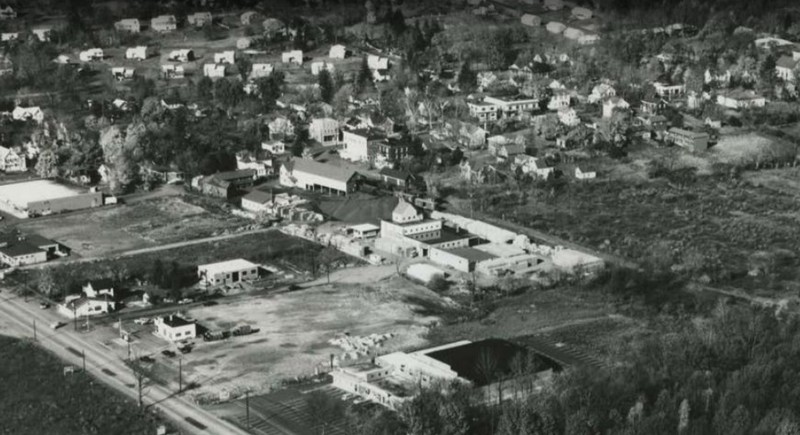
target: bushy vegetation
<point>37,398</point>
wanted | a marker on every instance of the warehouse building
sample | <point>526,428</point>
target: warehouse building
<point>319,177</point>
<point>227,272</point>
<point>45,197</point>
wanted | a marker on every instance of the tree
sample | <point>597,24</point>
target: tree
<point>300,139</point>
<point>467,78</point>
<point>328,257</point>
<point>46,165</point>
<point>364,77</point>
<point>45,283</point>
<point>326,85</point>
<point>243,65</point>
<point>326,410</point>
<point>204,88</point>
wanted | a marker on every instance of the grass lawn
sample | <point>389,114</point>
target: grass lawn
<point>37,399</point>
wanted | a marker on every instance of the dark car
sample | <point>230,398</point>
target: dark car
<point>147,359</point>
<point>210,303</point>
<point>168,353</point>
<point>185,349</point>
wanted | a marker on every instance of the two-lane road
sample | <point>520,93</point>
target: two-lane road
<point>70,346</point>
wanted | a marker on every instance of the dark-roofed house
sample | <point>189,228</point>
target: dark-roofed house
<point>396,177</point>
<point>20,253</point>
<point>225,184</point>
<point>312,175</point>
<point>256,201</point>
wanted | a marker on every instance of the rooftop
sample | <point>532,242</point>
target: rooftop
<point>688,133</point>
<point>18,249</point>
<point>227,266</point>
<point>448,235</point>
<point>323,170</point>
<point>471,254</point>
<point>258,196</point>
<point>174,321</point>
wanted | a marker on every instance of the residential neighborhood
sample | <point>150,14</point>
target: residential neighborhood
<point>396,217</point>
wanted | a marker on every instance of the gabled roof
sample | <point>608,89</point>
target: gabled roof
<point>101,284</point>
<point>395,173</point>
<point>786,62</point>
<point>321,169</point>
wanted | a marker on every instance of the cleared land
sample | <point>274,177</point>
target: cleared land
<point>37,398</point>
<point>295,329</point>
<point>109,231</point>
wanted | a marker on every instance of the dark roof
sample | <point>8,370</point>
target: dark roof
<point>395,173</point>
<point>369,133</point>
<point>101,284</point>
<point>471,254</point>
<point>786,62</point>
<point>484,362</point>
<point>258,196</point>
<point>233,175</point>
<point>18,249</point>
<point>37,240</point>
<point>448,235</point>
<point>176,321</point>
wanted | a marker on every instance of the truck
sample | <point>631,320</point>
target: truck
<point>244,330</point>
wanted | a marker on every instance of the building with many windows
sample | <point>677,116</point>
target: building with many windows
<point>175,328</point>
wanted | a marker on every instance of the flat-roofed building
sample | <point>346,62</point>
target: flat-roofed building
<point>227,272</point>
<point>691,140</point>
<point>175,328</point>
<point>311,175</point>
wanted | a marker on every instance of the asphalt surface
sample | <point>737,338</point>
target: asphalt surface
<point>71,346</point>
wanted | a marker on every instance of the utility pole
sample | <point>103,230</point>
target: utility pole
<point>34,329</point>
<point>180,375</point>
<point>75,317</point>
<point>83,357</point>
<point>247,406</point>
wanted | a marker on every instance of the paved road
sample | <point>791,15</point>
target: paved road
<point>68,345</point>
<point>149,250</point>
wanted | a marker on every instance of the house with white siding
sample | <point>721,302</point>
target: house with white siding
<point>315,176</point>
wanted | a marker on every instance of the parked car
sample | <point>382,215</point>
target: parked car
<point>185,301</point>
<point>147,359</point>
<point>143,321</point>
<point>185,349</point>
<point>56,325</point>
<point>44,305</point>
<point>168,353</point>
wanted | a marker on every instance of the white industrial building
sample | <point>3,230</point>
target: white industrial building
<point>325,131</point>
<point>225,57</point>
<point>294,56</point>
<point>227,272</point>
<point>315,176</point>
<point>175,328</point>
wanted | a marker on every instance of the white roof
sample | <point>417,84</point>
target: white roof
<point>227,266</point>
<point>500,249</point>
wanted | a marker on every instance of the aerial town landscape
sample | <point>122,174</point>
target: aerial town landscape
<point>301,217</point>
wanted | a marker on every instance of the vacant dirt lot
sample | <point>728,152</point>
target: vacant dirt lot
<point>295,329</point>
<point>109,231</point>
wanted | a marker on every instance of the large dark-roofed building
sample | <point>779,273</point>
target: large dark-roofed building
<point>486,361</point>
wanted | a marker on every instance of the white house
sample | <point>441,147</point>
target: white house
<point>259,70</point>
<point>377,63</point>
<point>568,117</point>
<point>182,55</point>
<point>317,67</point>
<point>294,56</point>
<point>275,147</point>
<point>669,91</point>
<point>33,113</point>
<point>172,71</point>
<point>337,51</point>
<point>555,27</point>
<point>43,33</point>
<point>199,19</point>
<point>131,25</point>
<point>324,131</point>
<point>91,54</point>
<point>588,175</point>
<point>11,161</point>
<point>614,103</point>
<point>122,73</point>
<point>601,92</point>
<point>573,33</point>
<point>531,20</point>
<point>137,53</point>
<point>9,36</point>
<point>741,99</point>
<point>581,13</point>
<point>560,100</point>
<point>213,70</point>
<point>7,13</point>
<point>356,144</point>
<point>99,288</point>
<point>786,66</point>
<point>82,306</point>
<point>531,165</point>
<point>311,175</point>
<point>227,272</point>
<point>280,128</point>
<point>175,328</point>
<point>164,23</point>
<point>225,57</point>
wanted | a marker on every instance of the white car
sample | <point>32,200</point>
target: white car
<point>143,321</point>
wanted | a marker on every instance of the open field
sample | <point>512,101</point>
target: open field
<point>37,398</point>
<point>295,329</point>
<point>110,231</point>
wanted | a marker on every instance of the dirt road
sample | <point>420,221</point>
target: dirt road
<point>69,346</point>
<point>149,250</point>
